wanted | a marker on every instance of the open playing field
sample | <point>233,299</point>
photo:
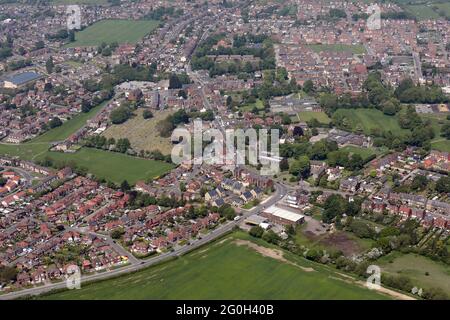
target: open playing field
<point>37,147</point>
<point>422,11</point>
<point>108,31</point>
<point>363,152</point>
<point>368,119</point>
<point>437,121</point>
<point>109,165</point>
<point>309,115</point>
<point>142,133</point>
<point>114,166</point>
<point>355,49</point>
<point>249,107</point>
<point>414,267</point>
<point>441,144</point>
<point>232,268</point>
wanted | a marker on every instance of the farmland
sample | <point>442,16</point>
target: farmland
<point>108,31</point>
<point>142,133</point>
<point>424,272</point>
<point>242,269</point>
<point>369,119</point>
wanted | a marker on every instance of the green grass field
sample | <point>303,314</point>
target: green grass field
<point>225,270</point>
<point>108,31</point>
<point>441,144</point>
<point>38,146</point>
<point>363,152</point>
<point>355,49</point>
<point>309,115</point>
<point>109,165</point>
<point>343,241</point>
<point>368,119</point>
<point>422,11</point>
<point>142,133</point>
<point>249,107</point>
<point>444,7</point>
<point>114,166</point>
<point>414,267</point>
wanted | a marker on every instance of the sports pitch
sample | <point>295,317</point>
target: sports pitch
<point>109,31</point>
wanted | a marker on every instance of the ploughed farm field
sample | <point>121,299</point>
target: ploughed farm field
<point>233,267</point>
<point>114,30</point>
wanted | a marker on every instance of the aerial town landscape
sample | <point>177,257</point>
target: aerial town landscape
<point>93,92</point>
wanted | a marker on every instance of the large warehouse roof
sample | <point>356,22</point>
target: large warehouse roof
<point>23,77</point>
<point>284,214</point>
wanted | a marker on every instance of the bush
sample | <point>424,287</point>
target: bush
<point>120,115</point>
<point>271,237</point>
<point>313,255</point>
<point>435,294</point>
<point>55,122</point>
<point>147,114</point>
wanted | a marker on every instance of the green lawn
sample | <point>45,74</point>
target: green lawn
<point>441,144</point>
<point>249,107</point>
<point>309,115</point>
<point>114,166</point>
<point>414,267</point>
<point>356,49</point>
<point>368,119</point>
<point>363,152</point>
<point>224,270</point>
<point>108,31</point>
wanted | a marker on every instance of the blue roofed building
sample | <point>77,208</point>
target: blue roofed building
<point>19,79</point>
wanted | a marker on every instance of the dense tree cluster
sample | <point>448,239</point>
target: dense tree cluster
<point>120,115</point>
<point>241,46</point>
<point>121,73</point>
<point>167,125</point>
<point>162,12</point>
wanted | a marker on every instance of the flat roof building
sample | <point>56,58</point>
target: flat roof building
<point>20,79</point>
<point>282,216</point>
